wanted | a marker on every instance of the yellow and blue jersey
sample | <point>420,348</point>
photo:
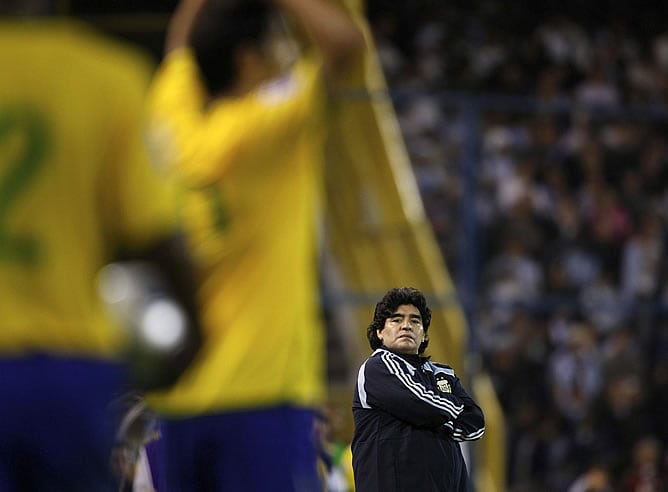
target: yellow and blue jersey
<point>251,170</point>
<point>75,182</point>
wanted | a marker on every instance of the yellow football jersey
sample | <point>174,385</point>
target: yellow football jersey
<point>75,182</point>
<point>252,171</point>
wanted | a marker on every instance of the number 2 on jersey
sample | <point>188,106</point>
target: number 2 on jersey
<point>23,145</point>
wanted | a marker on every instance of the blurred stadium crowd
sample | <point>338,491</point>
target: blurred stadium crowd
<point>570,205</point>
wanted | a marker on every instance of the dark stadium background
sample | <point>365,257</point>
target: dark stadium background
<point>143,21</point>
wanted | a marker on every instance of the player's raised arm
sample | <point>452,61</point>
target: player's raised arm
<point>331,29</point>
<point>181,24</point>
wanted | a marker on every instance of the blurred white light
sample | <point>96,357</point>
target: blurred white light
<point>163,325</point>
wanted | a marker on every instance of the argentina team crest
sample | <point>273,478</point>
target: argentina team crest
<point>444,386</point>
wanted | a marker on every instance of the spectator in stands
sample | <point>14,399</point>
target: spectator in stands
<point>335,458</point>
<point>646,472</point>
<point>575,372</point>
<point>594,479</point>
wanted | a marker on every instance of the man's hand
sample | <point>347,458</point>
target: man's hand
<point>331,29</point>
<point>181,24</point>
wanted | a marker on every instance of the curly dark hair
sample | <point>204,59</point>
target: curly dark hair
<point>387,306</point>
<point>220,30</point>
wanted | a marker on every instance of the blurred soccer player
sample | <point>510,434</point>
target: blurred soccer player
<point>76,192</point>
<point>247,142</point>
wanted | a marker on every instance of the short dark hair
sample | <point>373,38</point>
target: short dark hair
<point>388,305</point>
<point>221,28</point>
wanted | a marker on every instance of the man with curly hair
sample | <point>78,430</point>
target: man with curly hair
<point>410,413</point>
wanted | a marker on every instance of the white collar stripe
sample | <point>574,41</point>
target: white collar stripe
<point>435,369</point>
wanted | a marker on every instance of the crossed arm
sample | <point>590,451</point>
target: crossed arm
<point>390,384</point>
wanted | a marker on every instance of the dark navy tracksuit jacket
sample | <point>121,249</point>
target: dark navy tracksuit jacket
<point>410,415</point>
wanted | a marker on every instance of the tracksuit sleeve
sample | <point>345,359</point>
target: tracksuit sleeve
<point>388,383</point>
<point>470,424</point>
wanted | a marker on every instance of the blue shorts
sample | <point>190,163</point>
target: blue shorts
<point>56,430</point>
<point>268,450</point>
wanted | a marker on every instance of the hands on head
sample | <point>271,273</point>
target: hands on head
<point>329,27</point>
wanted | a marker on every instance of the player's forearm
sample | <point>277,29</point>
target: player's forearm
<point>331,29</point>
<point>181,23</point>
